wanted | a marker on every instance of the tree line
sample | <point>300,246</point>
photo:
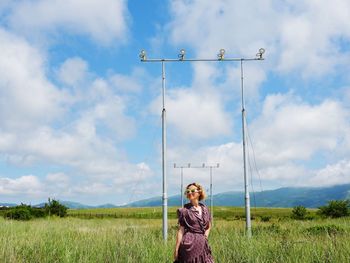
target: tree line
<point>27,212</point>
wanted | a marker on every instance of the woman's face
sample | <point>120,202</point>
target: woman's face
<point>192,193</point>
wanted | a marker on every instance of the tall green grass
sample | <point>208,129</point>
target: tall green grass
<point>220,212</point>
<point>140,240</point>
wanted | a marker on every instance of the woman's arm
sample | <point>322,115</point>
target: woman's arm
<point>179,235</point>
<point>207,231</point>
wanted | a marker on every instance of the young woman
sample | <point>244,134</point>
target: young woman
<point>194,227</point>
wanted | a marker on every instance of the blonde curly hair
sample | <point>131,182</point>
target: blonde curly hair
<point>202,194</point>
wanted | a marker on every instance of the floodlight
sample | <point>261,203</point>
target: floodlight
<point>142,55</point>
<point>182,54</point>
<point>221,54</point>
<point>260,53</point>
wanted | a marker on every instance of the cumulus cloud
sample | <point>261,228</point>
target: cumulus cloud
<point>288,132</point>
<point>291,129</point>
<point>37,128</point>
<point>303,36</point>
<point>73,71</point>
<point>337,173</point>
<point>195,115</point>
<point>28,185</point>
<point>28,97</point>
<point>105,21</point>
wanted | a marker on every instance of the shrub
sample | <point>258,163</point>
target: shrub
<point>26,212</point>
<point>21,212</point>
<point>265,218</point>
<point>299,212</point>
<point>53,207</point>
<point>335,208</point>
<point>325,229</point>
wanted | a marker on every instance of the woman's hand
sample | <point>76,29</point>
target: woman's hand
<point>176,254</point>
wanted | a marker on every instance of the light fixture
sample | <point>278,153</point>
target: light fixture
<point>142,55</point>
<point>182,54</point>
<point>260,53</point>
<point>221,54</point>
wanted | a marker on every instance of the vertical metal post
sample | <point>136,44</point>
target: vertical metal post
<point>246,190</point>
<point>164,197</point>
<point>211,195</point>
<point>182,187</point>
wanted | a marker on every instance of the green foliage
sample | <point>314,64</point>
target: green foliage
<point>140,240</point>
<point>27,212</point>
<point>265,218</point>
<point>20,212</point>
<point>330,229</point>
<point>53,207</point>
<point>335,208</point>
<point>299,212</point>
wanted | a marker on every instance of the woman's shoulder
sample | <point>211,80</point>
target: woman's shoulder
<point>204,206</point>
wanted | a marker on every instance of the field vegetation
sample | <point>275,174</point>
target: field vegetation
<point>135,235</point>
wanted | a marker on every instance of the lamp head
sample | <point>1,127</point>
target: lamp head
<point>142,55</point>
<point>260,53</point>
<point>221,54</point>
<point>182,54</point>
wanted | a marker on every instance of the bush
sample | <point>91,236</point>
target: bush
<point>21,212</point>
<point>53,207</point>
<point>26,212</point>
<point>265,218</point>
<point>335,208</point>
<point>299,212</point>
<point>325,229</point>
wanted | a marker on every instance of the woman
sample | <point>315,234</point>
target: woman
<point>194,227</point>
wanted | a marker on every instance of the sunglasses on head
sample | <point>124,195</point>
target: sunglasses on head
<point>191,191</point>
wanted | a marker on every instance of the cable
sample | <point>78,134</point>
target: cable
<point>256,168</point>
<point>251,177</point>
<point>142,169</point>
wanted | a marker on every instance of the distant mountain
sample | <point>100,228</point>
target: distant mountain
<point>69,204</point>
<point>7,204</point>
<point>311,197</point>
<point>76,205</point>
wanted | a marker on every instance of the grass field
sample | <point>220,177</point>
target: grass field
<point>139,239</point>
<point>227,213</point>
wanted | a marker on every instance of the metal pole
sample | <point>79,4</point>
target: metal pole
<point>221,58</point>
<point>246,190</point>
<point>164,197</point>
<point>182,187</point>
<point>211,195</point>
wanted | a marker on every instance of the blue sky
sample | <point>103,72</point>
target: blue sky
<point>81,115</point>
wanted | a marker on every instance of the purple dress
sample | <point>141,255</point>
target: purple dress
<point>194,247</point>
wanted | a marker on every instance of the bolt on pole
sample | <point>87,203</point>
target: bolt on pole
<point>220,58</point>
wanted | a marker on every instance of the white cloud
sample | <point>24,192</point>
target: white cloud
<point>28,97</point>
<point>26,185</point>
<point>104,21</point>
<point>302,36</point>
<point>288,132</point>
<point>195,115</point>
<point>291,129</point>
<point>332,174</point>
<point>73,71</point>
